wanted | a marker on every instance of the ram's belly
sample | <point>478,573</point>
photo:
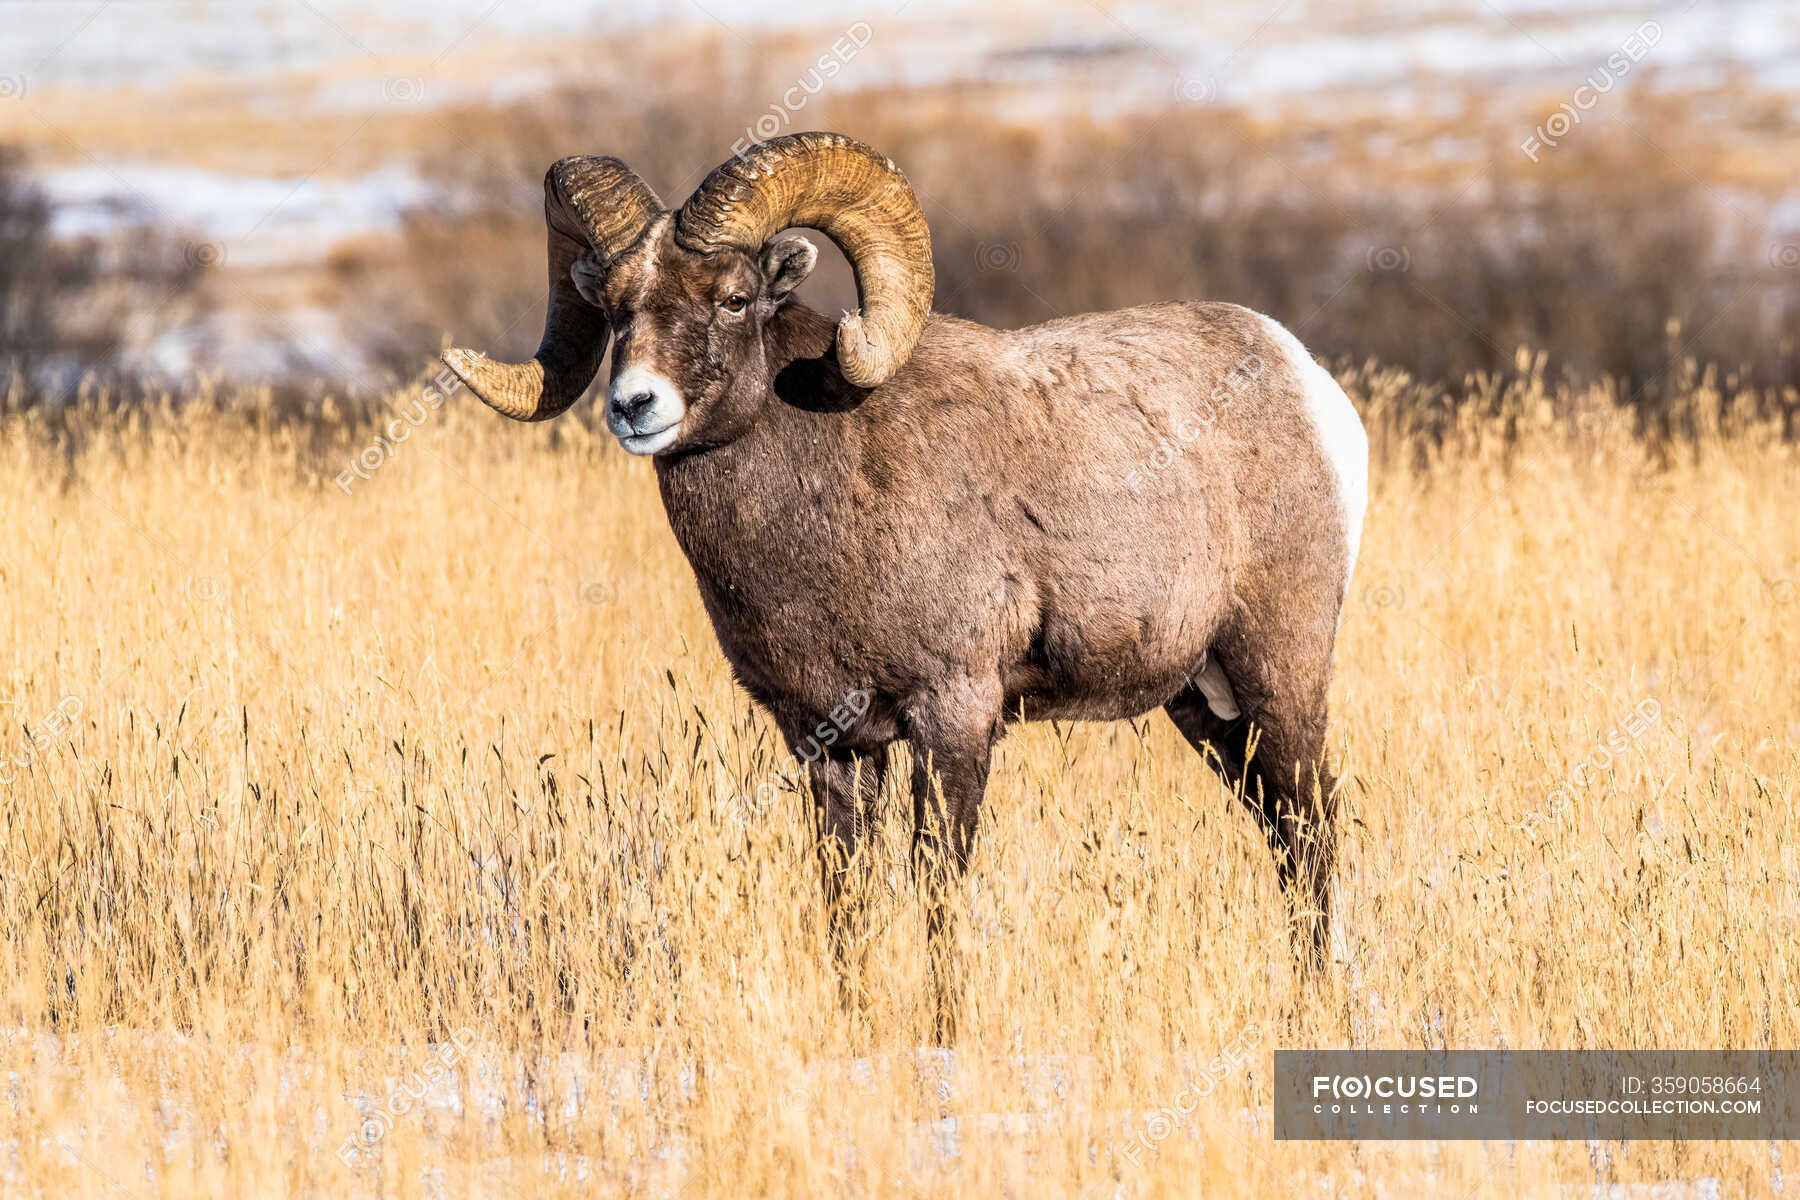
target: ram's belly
<point>1077,699</point>
<point>1106,663</point>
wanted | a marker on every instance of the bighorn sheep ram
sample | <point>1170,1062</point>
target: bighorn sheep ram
<point>1084,520</point>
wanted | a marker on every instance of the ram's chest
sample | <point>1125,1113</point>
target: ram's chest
<point>789,586</point>
<point>800,661</point>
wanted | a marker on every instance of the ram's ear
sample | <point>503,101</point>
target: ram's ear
<point>590,279</point>
<point>786,262</point>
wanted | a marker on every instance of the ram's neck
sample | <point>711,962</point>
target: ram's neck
<point>747,502</point>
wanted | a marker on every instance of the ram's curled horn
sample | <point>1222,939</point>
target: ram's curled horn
<point>590,203</point>
<point>852,195</point>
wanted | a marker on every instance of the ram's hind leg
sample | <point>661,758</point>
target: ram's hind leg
<point>1266,740</point>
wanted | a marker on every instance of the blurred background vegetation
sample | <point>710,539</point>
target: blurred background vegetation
<point>319,212</point>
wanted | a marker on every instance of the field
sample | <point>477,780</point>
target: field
<point>383,821</point>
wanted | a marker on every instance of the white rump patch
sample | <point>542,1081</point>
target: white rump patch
<point>1341,437</point>
<point>1217,690</point>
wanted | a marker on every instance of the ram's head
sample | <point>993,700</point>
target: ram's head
<point>689,294</point>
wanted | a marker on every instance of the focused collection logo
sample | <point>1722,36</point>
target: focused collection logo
<point>1395,1095</point>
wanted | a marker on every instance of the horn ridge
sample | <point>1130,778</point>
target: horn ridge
<point>858,198</point>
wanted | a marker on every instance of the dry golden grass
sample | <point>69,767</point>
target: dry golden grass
<point>429,787</point>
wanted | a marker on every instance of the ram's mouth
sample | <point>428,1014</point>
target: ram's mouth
<point>652,441</point>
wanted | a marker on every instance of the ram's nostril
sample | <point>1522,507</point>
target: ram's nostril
<point>636,405</point>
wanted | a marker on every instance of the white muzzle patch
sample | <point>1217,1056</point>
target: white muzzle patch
<point>644,410</point>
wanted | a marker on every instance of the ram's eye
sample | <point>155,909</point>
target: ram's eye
<point>737,302</point>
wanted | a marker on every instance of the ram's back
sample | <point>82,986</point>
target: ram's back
<point>1110,481</point>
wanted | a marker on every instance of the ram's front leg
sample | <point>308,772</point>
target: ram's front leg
<point>845,788</point>
<point>952,734</point>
